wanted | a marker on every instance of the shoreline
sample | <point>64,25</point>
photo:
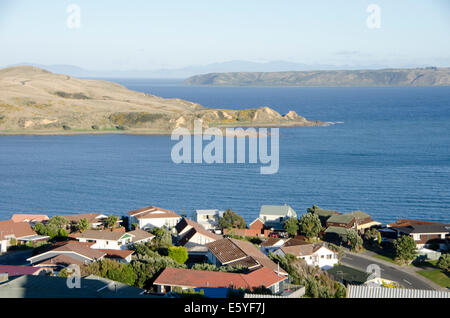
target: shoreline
<point>147,132</point>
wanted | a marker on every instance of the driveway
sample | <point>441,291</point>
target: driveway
<point>405,276</point>
<point>15,257</point>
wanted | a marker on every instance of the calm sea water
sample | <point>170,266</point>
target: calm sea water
<point>389,156</point>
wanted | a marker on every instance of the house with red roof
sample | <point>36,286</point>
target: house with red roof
<point>20,232</point>
<point>184,279</point>
<point>30,218</point>
<point>13,270</point>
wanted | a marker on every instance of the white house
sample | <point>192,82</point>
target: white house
<point>21,232</point>
<point>273,216</point>
<point>150,217</point>
<point>106,239</point>
<point>194,236</point>
<point>209,219</point>
<point>313,254</point>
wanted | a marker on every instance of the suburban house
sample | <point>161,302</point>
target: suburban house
<point>313,254</point>
<point>74,252</point>
<point>95,220</point>
<point>273,243</point>
<point>194,236</point>
<point>336,234</point>
<point>150,217</point>
<point>20,232</point>
<point>324,215</point>
<point>209,219</point>
<point>113,240</point>
<point>363,221</point>
<point>29,218</point>
<point>232,252</point>
<point>347,221</point>
<point>274,216</point>
<point>122,256</point>
<point>425,234</point>
<point>171,278</point>
<point>256,229</point>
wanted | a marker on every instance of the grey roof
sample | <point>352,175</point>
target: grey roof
<point>281,210</point>
<point>40,286</point>
<point>341,218</point>
<point>336,229</point>
<point>385,292</point>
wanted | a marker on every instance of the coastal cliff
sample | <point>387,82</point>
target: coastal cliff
<point>430,76</point>
<point>35,101</point>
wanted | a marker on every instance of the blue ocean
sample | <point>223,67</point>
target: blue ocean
<point>388,155</point>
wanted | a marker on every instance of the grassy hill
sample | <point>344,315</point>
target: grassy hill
<point>35,101</point>
<point>388,77</point>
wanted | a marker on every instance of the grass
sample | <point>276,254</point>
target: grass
<point>386,258</point>
<point>437,276</point>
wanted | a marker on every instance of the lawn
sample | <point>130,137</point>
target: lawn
<point>437,276</point>
<point>385,258</point>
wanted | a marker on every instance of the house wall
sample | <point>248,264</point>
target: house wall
<point>209,221</point>
<point>212,259</point>
<point>199,239</point>
<point>109,244</point>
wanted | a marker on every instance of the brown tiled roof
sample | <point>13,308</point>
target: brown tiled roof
<point>152,212</point>
<point>79,248</point>
<point>248,262</point>
<point>194,278</point>
<point>101,235</point>
<point>294,241</point>
<point>140,234</point>
<point>271,241</point>
<point>19,229</point>
<point>230,250</point>
<point>29,217</point>
<point>117,253</point>
<point>406,222</point>
<point>60,260</point>
<point>251,250</point>
<point>90,217</point>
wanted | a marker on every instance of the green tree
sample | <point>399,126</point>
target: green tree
<point>310,225</point>
<point>82,225</point>
<point>405,249</point>
<point>59,221</point>
<point>62,233</point>
<point>111,221</point>
<point>444,262</point>
<point>178,254</point>
<point>354,239</point>
<point>162,239</point>
<point>110,269</point>
<point>291,226</point>
<point>231,219</point>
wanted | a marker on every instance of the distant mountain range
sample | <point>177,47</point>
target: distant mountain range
<point>185,72</point>
<point>429,76</point>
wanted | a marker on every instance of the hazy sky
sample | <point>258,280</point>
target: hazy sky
<point>174,33</point>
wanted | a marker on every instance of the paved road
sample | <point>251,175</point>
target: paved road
<point>402,276</point>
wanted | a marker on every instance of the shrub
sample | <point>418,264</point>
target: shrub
<point>178,253</point>
<point>94,127</point>
<point>405,248</point>
<point>444,262</point>
<point>120,127</point>
<point>66,127</point>
<point>231,219</point>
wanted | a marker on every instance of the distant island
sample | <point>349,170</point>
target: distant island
<point>36,101</point>
<point>429,76</point>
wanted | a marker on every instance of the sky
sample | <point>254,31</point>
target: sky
<point>123,35</point>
